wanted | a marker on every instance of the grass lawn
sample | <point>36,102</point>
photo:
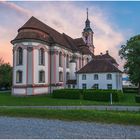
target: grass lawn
<point>128,118</point>
<point>6,99</point>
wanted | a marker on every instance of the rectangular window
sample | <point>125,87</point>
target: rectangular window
<point>79,63</point>
<point>41,57</point>
<point>95,76</point>
<point>67,61</point>
<point>19,77</point>
<point>60,76</point>
<point>73,86</point>
<point>41,77</point>
<point>84,86</point>
<point>96,86</point>
<point>83,77</point>
<point>109,86</point>
<point>109,76</point>
<point>60,59</point>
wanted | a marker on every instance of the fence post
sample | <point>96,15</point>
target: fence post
<point>111,98</point>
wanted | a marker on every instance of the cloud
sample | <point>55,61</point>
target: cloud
<point>107,35</point>
<point>5,45</point>
<point>70,18</point>
<point>16,8</point>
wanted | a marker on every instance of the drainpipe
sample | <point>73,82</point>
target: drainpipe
<point>50,71</point>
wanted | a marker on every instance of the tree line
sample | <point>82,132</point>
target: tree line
<point>5,75</point>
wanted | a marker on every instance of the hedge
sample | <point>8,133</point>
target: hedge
<point>88,94</point>
<point>67,93</point>
<point>130,90</point>
<point>102,95</point>
<point>137,98</point>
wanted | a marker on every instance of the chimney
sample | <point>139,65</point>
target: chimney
<point>107,52</point>
<point>101,53</point>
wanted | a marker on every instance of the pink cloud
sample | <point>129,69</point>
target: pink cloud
<point>16,8</point>
<point>106,35</point>
<point>68,18</point>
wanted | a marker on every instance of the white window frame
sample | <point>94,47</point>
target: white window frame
<point>84,86</point>
<point>84,76</point>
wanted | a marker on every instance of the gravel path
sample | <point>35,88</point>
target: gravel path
<point>24,128</point>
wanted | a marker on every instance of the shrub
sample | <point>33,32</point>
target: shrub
<point>137,98</point>
<point>130,90</point>
<point>102,95</point>
<point>66,93</point>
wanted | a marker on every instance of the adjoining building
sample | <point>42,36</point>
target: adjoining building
<point>44,60</point>
<point>100,73</point>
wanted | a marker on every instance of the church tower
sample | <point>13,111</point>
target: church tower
<point>87,34</point>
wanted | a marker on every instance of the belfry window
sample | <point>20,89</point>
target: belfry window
<point>41,56</point>
<point>41,76</point>
<point>19,56</point>
<point>19,76</point>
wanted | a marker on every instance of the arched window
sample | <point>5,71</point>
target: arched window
<point>109,76</point>
<point>67,61</point>
<point>60,76</point>
<point>41,56</point>
<point>41,76</point>
<point>60,59</point>
<point>19,56</point>
<point>95,76</point>
<point>67,76</point>
<point>19,76</point>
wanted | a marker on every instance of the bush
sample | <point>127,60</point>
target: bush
<point>137,98</point>
<point>130,90</point>
<point>102,95</point>
<point>67,93</point>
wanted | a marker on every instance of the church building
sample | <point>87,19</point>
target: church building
<point>44,60</point>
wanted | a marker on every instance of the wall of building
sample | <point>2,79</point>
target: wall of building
<point>30,81</point>
<point>102,81</point>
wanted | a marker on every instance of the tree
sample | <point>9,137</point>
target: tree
<point>131,53</point>
<point>5,75</point>
<point>1,61</point>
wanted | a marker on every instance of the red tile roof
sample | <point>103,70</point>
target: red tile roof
<point>107,57</point>
<point>99,66</point>
<point>52,36</point>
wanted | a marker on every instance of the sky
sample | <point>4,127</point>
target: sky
<point>113,23</point>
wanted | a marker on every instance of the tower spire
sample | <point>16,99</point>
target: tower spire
<point>87,13</point>
<point>88,33</point>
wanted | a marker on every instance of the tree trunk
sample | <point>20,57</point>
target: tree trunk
<point>139,88</point>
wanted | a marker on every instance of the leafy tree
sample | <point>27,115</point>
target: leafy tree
<point>131,53</point>
<point>5,75</point>
<point>1,61</point>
